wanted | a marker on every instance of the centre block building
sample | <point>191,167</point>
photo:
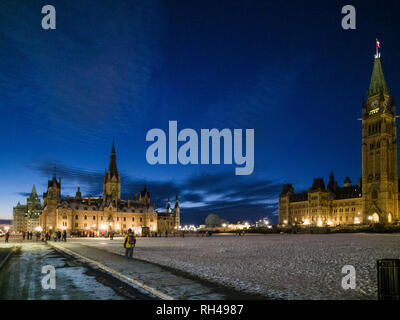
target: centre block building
<point>107,213</point>
<point>375,198</point>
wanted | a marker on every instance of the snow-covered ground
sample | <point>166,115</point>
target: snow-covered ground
<point>278,266</point>
<point>21,278</point>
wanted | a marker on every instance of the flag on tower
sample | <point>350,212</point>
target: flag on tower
<point>378,44</point>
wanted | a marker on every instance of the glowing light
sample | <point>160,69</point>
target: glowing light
<point>330,223</point>
<point>6,228</point>
<point>370,218</point>
<point>284,221</point>
<point>224,225</point>
<point>357,220</point>
<point>376,110</point>
<point>117,226</point>
<point>319,223</point>
<point>306,222</point>
<point>266,222</point>
<point>103,226</point>
<point>63,228</point>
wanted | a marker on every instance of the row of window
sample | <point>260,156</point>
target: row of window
<point>334,219</point>
<point>375,146</point>
<point>346,210</point>
<point>316,210</point>
<point>101,218</point>
<point>374,128</point>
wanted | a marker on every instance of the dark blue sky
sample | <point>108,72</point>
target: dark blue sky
<point>116,69</point>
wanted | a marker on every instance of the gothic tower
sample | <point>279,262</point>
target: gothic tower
<point>177,213</point>
<point>33,202</point>
<point>112,181</point>
<point>379,151</point>
<point>169,210</point>
<point>51,199</point>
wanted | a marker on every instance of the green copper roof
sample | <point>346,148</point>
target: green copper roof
<point>378,82</point>
<point>33,190</point>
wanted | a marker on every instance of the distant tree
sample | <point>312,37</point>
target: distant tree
<point>213,221</point>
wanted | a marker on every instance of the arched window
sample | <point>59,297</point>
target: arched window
<point>374,194</point>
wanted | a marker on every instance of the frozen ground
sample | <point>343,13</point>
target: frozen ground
<point>21,277</point>
<point>277,266</point>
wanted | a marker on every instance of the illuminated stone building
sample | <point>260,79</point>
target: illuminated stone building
<point>106,213</point>
<point>26,217</point>
<point>375,198</point>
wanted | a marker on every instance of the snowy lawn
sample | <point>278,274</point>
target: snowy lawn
<point>277,266</point>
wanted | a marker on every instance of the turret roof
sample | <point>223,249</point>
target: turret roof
<point>378,82</point>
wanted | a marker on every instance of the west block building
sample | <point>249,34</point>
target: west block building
<point>375,198</point>
<point>105,213</point>
<point>26,217</point>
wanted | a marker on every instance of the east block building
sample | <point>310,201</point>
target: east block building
<point>26,217</point>
<point>108,212</point>
<point>375,198</point>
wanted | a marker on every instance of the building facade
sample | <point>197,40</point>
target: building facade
<point>106,213</point>
<point>26,217</point>
<point>375,199</point>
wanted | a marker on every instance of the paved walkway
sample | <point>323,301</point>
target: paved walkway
<point>21,277</point>
<point>171,283</point>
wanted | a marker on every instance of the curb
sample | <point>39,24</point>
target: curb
<point>116,274</point>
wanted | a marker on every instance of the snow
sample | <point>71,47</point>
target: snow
<point>275,266</point>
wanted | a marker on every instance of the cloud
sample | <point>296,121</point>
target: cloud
<point>232,197</point>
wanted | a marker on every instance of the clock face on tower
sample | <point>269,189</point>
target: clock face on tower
<point>374,107</point>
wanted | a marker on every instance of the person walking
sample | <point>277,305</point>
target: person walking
<point>129,244</point>
<point>7,236</point>
<point>23,235</point>
<point>64,236</point>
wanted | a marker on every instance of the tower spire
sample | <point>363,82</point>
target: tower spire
<point>378,82</point>
<point>33,190</point>
<point>112,168</point>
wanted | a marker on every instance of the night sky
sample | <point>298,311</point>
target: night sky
<point>112,70</point>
